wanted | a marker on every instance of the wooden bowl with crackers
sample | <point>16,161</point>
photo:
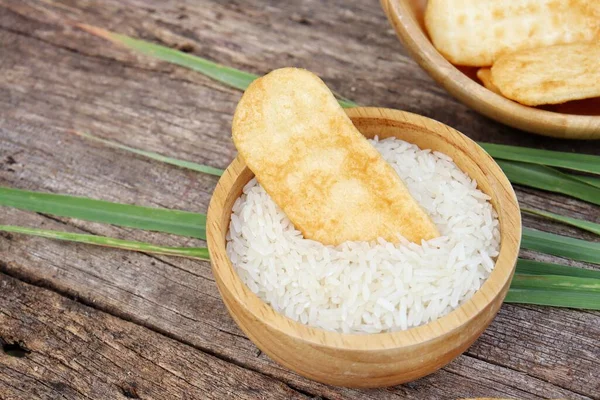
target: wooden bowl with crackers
<point>382,359</point>
<point>555,90</point>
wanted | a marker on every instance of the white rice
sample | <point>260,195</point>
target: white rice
<point>360,287</point>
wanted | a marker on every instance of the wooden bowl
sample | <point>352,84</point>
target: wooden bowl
<point>384,359</point>
<point>573,120</point>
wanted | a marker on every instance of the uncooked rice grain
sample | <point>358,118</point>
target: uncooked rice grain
<point>360,287</point>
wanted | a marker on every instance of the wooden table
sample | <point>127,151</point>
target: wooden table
<point>107,324</point>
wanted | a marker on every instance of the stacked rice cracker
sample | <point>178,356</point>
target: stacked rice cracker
<point>534,52</point>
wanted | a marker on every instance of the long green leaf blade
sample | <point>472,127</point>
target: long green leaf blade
<point>578,223</point>
<point>229,76</point>
<point>154,219</point>
<point>573,161</point>
<point>562,246</point>
<point>547,178</point>
<point>531,267</point>
<point>547,284</point>
<point>345,103</point>
<point>590,180</point>
<point>555,282</point>
<point>190,252</point>
<point>155,156</point>
<point>554,298</point>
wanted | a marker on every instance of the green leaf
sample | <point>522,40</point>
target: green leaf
<point>578,223</point>
<point>590,180</point>
<point>550,179</point>
<point>153,219</point>
<point>345,103</point>
<point>574,161</point>
<point>555,298</point>
<point>530,267</point>
<point>562,246</point>
<point>554,285</point>
<point>229,76</point>
<point>190,252</point>
<point>232,77</point>
<point>158,157</point>
<point>555,282</point>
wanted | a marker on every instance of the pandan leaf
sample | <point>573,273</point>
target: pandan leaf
<point>573,161</point>
<point>562,246</point>
<point>189,252</point>
<point>530,267</point>
<point>578,223</point>
<point>155,156</point>
<point>550,179</point>
<point>177,222</point>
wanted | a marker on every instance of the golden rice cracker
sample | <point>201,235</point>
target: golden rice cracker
<point>550,75</point>
<point>326,177</point>
<point>477,32</point>
<point>485,76</point>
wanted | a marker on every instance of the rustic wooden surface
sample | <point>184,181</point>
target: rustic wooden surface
<point>108,324</point>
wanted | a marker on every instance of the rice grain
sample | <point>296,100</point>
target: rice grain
<point>359,287</point>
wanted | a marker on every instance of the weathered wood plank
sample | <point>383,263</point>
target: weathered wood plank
<point>60,78</point>
<point>76,352</point>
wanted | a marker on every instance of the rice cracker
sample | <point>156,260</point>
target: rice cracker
<point>326,177</point>
<point>478,32</point>
<point>485,76</point>
<point>549,75</point>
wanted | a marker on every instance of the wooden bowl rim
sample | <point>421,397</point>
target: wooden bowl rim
<point>476,96</point>
<point>510,231</point>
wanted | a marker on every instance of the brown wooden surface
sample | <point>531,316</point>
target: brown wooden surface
<point>55,78</point>
<point>77,351</point>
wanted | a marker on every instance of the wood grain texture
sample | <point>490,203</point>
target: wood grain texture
<point>56,78</point>
<point>390,358</point>
<point>407,18</point>
<point>73,351</point>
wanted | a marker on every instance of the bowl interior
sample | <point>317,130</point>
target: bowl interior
<point>574,120</point>
<point>425,133</point>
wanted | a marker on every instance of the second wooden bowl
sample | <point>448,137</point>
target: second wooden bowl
<point>573,120</point>
<point>383,359</point>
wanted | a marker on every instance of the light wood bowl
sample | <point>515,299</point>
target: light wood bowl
<point>572,120</point>
<point>383,359</point>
